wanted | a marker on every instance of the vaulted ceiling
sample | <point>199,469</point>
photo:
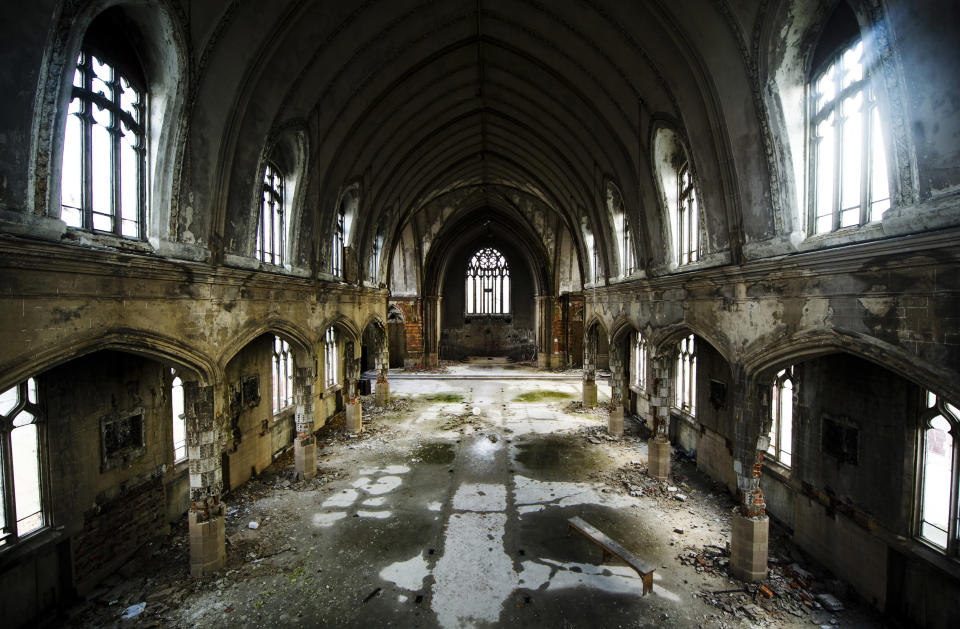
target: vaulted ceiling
<point>415,100</point>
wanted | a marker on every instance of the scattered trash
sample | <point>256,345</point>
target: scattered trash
<point>829,601</point>
<point>253,525</point>
<point>133,611</point>
<point>372,594</point>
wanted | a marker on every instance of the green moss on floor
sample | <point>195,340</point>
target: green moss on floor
<point>442,397</point>
<point>541,395</point>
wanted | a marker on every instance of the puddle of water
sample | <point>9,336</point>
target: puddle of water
<point>437,453</point>
<point>534,495</point>
<point>553,454</point>
<point>396,469</point>
<point>408,574</point>
<point>374,502</point>
<point>379,515</point>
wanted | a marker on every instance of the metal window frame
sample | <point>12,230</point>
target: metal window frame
<point>927,414</point>
<point>688,217</point>
<point>869,103</point>
<point>482,279</point>
<point>336,256</point>
<point>8,530</point>
<point>271,207</point>
<point>88,98</point>
<point>776,412</point>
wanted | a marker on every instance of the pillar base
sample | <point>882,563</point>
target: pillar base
<point>208,545</point>
<point>748,547</point>
<point>589,394</point>
<point>615,423</point>
<point>305,457</point>
<point>353,414</point>
<point>383,392</point>
<point>658,458</point>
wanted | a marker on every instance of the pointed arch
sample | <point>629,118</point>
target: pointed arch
<point>129,340</point>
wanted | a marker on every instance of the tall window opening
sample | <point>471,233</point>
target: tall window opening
<point>271,226</point>
<point>640,362</point>
<point>21,496</point>
<point>848,165</point>
<point>282,375</point>
<point>331,358</point>
<point>488,283</point>
<point>179,419</point>
<point>688,220</point>
<point>375,258</point>
<point>686,376</point>
<point>781,411</point>
<point>938,509</point>
<point>336,254</point>
<point>104,149</point>
<point>627,255</point>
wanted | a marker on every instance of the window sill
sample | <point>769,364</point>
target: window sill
<point>32,543</point>
<point>920,551</point>
<point>641,392</point>
<point>107,241</point>
<point>776,469</point>
<point>676,413</point>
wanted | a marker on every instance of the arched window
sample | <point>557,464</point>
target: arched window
<point>21,496</point>
<point>640,362</point>
<point>687,218</point>
<point>781,411</point>
<point>282,375</point>
<point>331,358</point>
<point>272,223</point>
<point>622,225</point>
<point>937,496</point>
<point>686,376</point>
<point>336,253</point>
<point>488,283</point>
<point>104,148</point>
<point>848,180</point>
<point>179,419</point>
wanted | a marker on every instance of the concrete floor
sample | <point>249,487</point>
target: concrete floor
<point>455,515</point>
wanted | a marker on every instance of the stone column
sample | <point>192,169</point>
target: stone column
<point>353,411</point>
<point>658,446</point>
<point>545,310</point>
<point>615,422</point>
<point>431,330</point>
<point>304,446</point>
<point>750,526</point>
<point>382,364</point>
<point>590,369</point>
<point>208,552</point>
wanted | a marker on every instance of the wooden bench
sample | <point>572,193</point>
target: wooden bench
<point>613,549</point>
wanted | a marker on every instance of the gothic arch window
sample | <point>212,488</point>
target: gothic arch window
<point>21,494</point>
<point>179,419</point>
<point>685,398</point>
<point>640,361</point>
<point>848,179</point>
<point>282,375</point>
<point>331,358</point>
<point>103,177</point>
<point>938,511</point>
<point>488,283</point>
<point>272,222</point>
<point>336,252</point>
<point>781,411</point>
<point>687,219</point>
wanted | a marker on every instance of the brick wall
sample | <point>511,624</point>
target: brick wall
<point>113,531</point>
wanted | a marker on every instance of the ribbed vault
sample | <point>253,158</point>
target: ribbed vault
<point>415,100</point>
